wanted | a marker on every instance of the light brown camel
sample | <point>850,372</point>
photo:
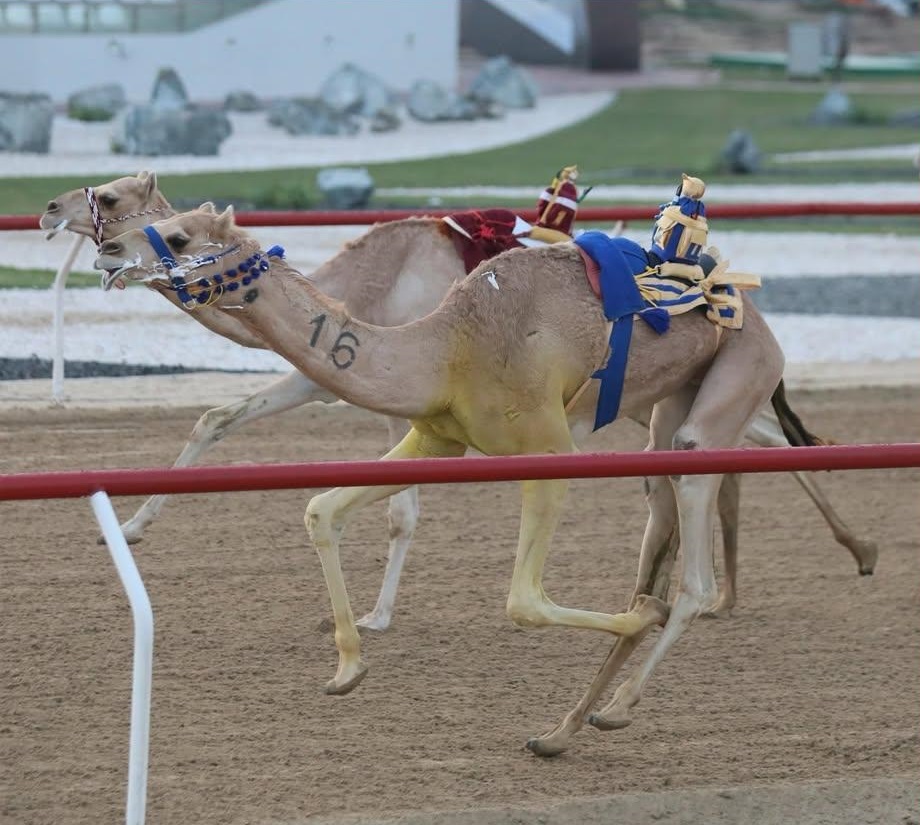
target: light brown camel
<point>393,274</point>
<point>503,365</point>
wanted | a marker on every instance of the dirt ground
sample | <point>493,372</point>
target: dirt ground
<point>814,678</point>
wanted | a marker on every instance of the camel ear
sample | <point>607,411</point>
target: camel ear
<point>149,182</point>
<point>208,207</point>
<point>225,221</point>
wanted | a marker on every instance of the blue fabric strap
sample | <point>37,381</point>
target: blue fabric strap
<point>619,260</point>
<point>160,247</point>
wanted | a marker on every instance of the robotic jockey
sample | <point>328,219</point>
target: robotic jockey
<point>556,207</point>
<point>681,228</point>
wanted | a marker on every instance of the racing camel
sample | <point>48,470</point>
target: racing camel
<point>503,365</point>
<point>415,262</point>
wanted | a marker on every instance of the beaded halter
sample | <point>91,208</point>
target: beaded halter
<point>197,292</point>
<point>99,221</point>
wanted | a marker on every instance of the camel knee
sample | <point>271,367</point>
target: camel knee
<point>524,612</point>
<point>320,520</point>
<point>215,424</point>
<point>403,514</point>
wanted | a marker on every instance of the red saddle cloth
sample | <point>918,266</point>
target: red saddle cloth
<point>480,235</point>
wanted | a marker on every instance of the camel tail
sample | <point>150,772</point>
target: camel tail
<point>792,425</point>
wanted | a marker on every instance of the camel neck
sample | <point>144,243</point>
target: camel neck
<point>392,370</point>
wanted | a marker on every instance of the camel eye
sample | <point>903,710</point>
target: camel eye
<point>178,242</point>
<point>108,200</point>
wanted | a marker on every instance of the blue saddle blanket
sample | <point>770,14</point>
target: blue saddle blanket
<point>619,261</point>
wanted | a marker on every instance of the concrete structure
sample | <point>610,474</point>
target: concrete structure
<point>273,48</point>
<point>594,34</point>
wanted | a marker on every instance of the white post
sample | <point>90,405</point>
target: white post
<point>60,281</point>
<point>143,656</point>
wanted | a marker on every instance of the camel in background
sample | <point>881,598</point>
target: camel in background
<point>394,273</point>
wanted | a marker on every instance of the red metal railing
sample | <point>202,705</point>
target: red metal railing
<point>586,214</point>
<point>215,479</point>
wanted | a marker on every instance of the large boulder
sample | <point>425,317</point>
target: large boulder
<point>168,91</point>
<point>147,130</point>
<point>430,102</point>
<point>500,81</point>
<point>351,90</point>
<point>25,122</point>
<point>345,188</point>
<point>97,102</point>
<point>242,101</point>
<point>835,107</point>
<point>310,116</point>
<point>740,154</point>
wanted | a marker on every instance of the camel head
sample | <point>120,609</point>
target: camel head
<point>121,204</point>
<point>171,248</point>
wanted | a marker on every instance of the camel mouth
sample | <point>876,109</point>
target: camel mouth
<point>60,226</point>
<point>114,275</point>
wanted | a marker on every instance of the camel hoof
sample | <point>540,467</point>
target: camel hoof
<point>373,622</point>
<point>868,556</point>
<point>137,539</point>
<point>606,723</point>
<point>336,688</point>
<point>717,613</point>
<point>545,746</point>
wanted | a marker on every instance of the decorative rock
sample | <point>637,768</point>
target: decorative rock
<point>242,101</point>
<point>385,120</point>
<point>146,130</point>
<point>25,122</point>
<point>740,154</point>
<point>310,116</point>
<point>168,91</point>
<point>345,188</point>
<point>351,90</point>
<point>501,81</point>
<point>430,102</point>
<point>96,103</point>
<point>835,107</point>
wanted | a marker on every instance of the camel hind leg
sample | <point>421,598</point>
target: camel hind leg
<point>740,380</point>
<point>326,518</point>
<point>768,430</point>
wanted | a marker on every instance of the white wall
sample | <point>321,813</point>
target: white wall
<point>287,47</point>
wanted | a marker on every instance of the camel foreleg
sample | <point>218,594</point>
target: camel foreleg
<point>402,516</point>
<point>326,518</point>
<point>287,393</point>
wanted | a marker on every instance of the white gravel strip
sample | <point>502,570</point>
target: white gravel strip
<point>765,253</point>
<point>907,151</point>
<point>715,193</point>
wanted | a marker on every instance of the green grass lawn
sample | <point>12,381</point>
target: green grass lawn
<point>647,136</point>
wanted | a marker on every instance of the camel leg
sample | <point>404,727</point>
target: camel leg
<point>766,431</point>
<point>542,503</point>
<point>726,403</point>
<point>656,561</point>
<point>729,504</point>
<point>286,393</point>
<point>402,516</point>
<point>326,517</point>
